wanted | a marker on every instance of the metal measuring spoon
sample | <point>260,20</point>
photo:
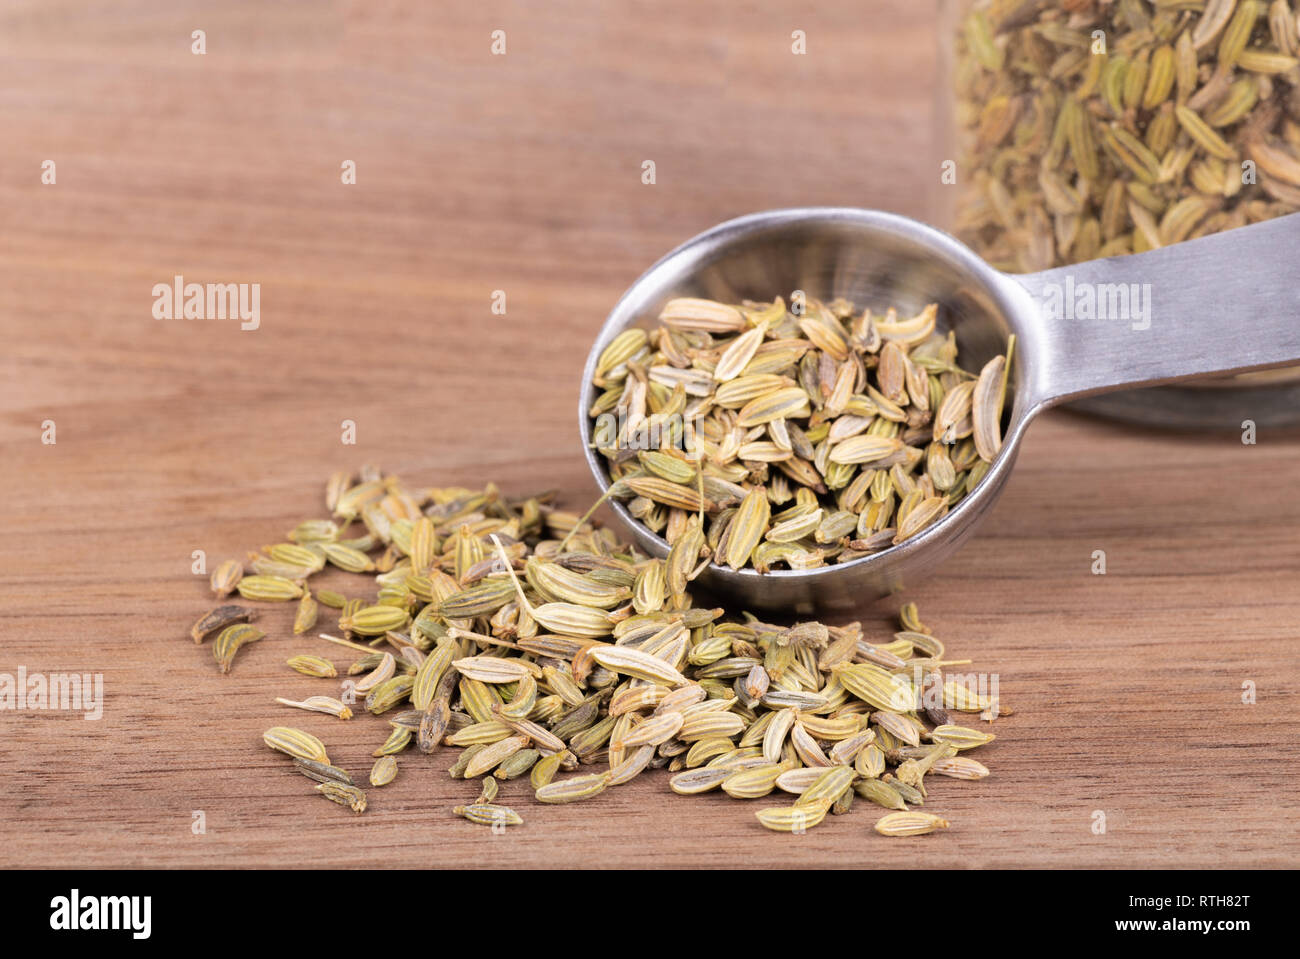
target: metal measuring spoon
<point>1221,304</point>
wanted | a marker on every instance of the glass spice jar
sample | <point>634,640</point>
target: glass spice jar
<point>1091,128</point>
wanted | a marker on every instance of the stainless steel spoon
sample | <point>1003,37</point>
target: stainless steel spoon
<point>1222,304</point>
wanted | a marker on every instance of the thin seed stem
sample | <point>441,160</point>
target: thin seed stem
<point>564,544</point>
<point>345,642</point>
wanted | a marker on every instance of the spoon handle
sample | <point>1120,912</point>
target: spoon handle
<point>1221,304</point>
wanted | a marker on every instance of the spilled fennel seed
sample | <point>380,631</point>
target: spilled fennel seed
<point>542,647</point>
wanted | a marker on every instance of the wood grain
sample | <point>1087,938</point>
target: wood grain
<point>522,173</point>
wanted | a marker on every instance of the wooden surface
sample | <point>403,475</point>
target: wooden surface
<point>523,173</point>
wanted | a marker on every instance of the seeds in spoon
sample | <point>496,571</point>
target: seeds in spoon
<point>816,404</point>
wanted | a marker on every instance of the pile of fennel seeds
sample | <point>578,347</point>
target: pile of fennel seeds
<point>544,649</point>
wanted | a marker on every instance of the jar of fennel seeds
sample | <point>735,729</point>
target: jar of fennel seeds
<point>1093,128</point>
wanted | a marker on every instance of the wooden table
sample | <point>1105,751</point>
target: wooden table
<point>522,173</point>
